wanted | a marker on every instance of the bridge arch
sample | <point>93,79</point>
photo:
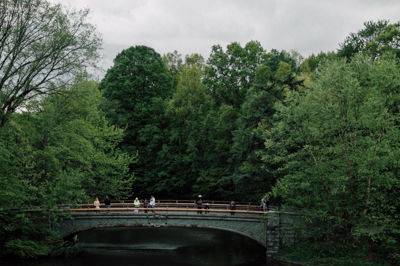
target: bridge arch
<point>253,227</point>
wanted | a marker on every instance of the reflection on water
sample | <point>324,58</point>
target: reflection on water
<point>163,246</point>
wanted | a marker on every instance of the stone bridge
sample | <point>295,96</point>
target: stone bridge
<point>263,227</point>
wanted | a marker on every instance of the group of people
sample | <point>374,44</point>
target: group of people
<point>151,203</point>
<point>146,204</point>
<point>107,202</point>
<point>136,203</point>
<point>199,204</point>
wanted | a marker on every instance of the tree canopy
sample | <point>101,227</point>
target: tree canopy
<point>61,151</point>
<point>375,39</point>
<point>42,48</point>
<point>135,90</point>
<point>337,148</point>
<point>316,135</point>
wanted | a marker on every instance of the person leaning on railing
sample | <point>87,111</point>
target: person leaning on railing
<point>145,205</point>
<point>206,207</point>
<point>199,204</point>
<point>96,203</point>
<point>152,203</point>
<point>136,205</point>
<point>107,202</point>
<point>232,207</point>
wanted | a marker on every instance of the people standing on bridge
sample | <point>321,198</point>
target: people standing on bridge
<point>206,207</point>
<point>232,207</point>
<point>96,203</point>
<point>263,204</point>
<point>152,203</point>
<point>145,205</point>
<point>136,205</point>
<point>107,202</point>
<point>199,204</point>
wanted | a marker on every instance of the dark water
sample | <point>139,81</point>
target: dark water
<point>163,246</point>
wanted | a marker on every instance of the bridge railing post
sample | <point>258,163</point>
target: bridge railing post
<point>273,233</point>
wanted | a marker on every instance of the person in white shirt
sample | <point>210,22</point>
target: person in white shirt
<point>136,205</point>
<point>96,203</point>
<point>152,202</point>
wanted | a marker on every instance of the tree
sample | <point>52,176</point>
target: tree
<point>250,80</point>
<point>250,175</point>
<point>375,39</point>
<point>273,79</point>
<point>337,149</point>
<point>195,155</point>
<point>215,174</point>
<point>174,63</point>
<point>42,47</point>
<point>74,140</point>
<point>195,59</point>
<point>59,151</point>
<point>136,89</point>
<point>229,74</point>
<point>184,153</point>
<point>310,66</point>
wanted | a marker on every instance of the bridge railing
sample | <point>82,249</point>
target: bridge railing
<point>185,204</point>
<point>164,210</point>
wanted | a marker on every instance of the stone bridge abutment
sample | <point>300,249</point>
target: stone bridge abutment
<point>265,228</point>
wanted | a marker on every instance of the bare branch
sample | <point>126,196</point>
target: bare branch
<point>42,47</point>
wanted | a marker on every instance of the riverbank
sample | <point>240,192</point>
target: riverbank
<point>162,246</point>
<point>306,255</point>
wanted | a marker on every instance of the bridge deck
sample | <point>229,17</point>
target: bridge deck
<point>181,206</point>
<point>177,204</point>
<point>164,211</point>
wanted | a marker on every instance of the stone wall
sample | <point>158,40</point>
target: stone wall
<point>288,227</point>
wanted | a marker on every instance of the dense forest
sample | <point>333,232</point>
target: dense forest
<point>319,134</point>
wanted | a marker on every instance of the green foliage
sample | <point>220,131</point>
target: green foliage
<point>322,133</point>
<point>43,47</point>
<point>310,66</point>
<point>173,62</point>
<point>26,248</point>
<point>272,81</point>
<point>61,152</point>
<point>309,254</point>
<point>77,141</point>
<point>336,147</point>
<point>229,74</point>
<point>375,39</point>
<point>135,91</point>
<point>182,155</point>
<point>211,142</point>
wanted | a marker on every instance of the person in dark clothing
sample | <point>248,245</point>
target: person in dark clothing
<point>145,205</point>
<point>206,207</point>
<point>199,204</point>
<point>232,207</point>
<point>107,202</point>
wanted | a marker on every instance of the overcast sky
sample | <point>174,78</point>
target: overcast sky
<point>192,26</point>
